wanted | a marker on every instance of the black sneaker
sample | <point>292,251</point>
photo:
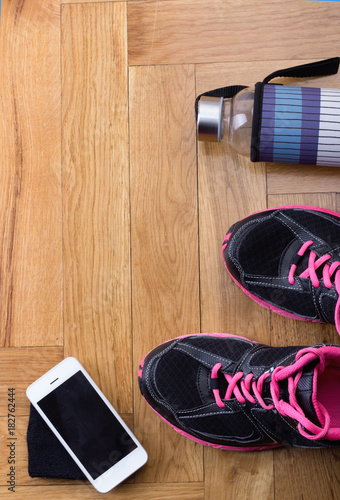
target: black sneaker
<point>288,260</point>
<point>229,392</point>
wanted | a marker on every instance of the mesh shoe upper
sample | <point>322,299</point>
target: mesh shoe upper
<point>288,259</point>
<point>229,392</point>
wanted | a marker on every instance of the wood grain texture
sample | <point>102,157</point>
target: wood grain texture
<point>88,1</point>
<point>245,475</point>
<point>19,368</point>
<point>312,473</point>
<point>163,196</point>
<point>30,246</point>
<point>165,292</point>
<point>168,491</point>
<point>224,178</point>
<point>302,179</point>
<point>230,31</point>
<point>96,196</point>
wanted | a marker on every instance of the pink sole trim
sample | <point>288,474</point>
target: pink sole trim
<point>225,242</point>
<point>259,301</point>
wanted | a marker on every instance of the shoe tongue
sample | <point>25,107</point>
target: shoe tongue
<point>304,392</point>
<point>291,256</point>
<point>204,385</point>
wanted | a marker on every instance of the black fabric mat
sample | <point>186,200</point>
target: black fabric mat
<point>46,455</point>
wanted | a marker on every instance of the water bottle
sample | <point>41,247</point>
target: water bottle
<point>274,122</point>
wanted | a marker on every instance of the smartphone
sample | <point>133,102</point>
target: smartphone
<point>87,425</point>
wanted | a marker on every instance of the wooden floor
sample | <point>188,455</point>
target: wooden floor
<point>112,217</point>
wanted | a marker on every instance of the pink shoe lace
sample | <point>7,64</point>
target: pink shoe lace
<point>328,272</point>
<point>241,387</point>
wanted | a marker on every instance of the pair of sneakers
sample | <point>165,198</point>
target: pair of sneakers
<point>233,393</point>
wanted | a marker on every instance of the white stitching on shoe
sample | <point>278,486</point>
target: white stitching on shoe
<point>301,227</point>
<point>232,243</point>
<point>181,412</point>
<point>200,415</point>
<point>178,348</point>
<point>268,285</point>
<point>320,303</point>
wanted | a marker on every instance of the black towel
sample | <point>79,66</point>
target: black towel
<point>46,455</point>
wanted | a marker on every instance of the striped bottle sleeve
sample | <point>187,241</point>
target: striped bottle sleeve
<point>300,125</point>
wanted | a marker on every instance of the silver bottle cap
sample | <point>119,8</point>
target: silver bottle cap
<point>210,119</point>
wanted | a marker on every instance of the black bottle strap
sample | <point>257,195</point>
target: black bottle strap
<point>319,68</point>
<point>225,92</point>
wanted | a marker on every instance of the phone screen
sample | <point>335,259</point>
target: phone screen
<point>87,425</point>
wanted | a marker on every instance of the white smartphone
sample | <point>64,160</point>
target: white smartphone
<point>87,425</point>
